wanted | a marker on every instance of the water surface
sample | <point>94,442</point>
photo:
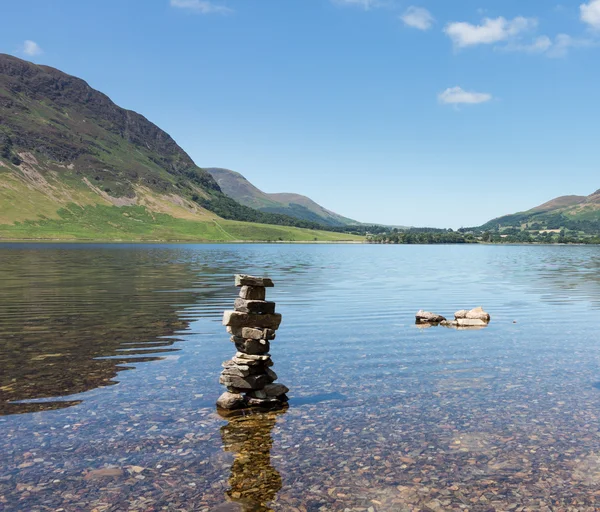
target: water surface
<point>110,357</point>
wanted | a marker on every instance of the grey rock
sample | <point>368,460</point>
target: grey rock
<point>271,375</point>
<point>252,382</point>
<point>267,403</point>
<point>478,314</point>
<point>257,394</point>
<point>275,390</point>
<point>251,347</point>
<point>237,371</point>
<point>251,333</point>
<point>231,401</point>
<point>238,319</point>
<point>256,367</point>
<point>461,314</point>
<point>260,307</point>
<point>253,293</point>
<point>246,280</point>
<point>425,317</point>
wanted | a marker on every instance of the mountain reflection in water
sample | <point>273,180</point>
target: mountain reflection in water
<point>70,320</point>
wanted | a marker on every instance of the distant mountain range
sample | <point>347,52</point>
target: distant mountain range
<point>73,164</point>
<point>239,188</point>
<point>578,213</point>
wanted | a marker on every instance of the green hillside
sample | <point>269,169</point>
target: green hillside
<point>75,165</point>
<point>236,186</point>
<point>575,216</point>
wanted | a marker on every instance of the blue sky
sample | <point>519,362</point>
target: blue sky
<point>430,113</point>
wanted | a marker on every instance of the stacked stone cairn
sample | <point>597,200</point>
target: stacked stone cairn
<point>249,379</point>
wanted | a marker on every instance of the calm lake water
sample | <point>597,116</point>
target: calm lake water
<point>110,357</point>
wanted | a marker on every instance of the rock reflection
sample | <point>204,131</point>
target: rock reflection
<point>254,482</point>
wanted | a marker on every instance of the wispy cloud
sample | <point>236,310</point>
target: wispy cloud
<point>557,48</point>
<point>31,48</point>
<point>201,6</point>
<point>491,30</point>
<point>418,17</point>
<point>458,96</point>
<point>590,13</point>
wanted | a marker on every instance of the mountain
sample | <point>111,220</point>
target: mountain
<point>234,185</point>
<point>576,213</point>
<point>74,164</point>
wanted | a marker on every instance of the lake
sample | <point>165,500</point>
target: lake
<point>110,356</point>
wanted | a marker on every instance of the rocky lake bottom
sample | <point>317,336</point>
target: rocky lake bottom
<point>111,355</point>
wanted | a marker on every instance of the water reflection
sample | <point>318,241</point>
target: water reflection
<point>71,320</point>
<point>253,482</point>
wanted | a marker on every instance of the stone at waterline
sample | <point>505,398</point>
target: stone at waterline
<point>252,333</point>
<point>425,317</point>
<point>260,307</point>
<point>253,293</point>
<point>251,347</point>
<point>238,319</point>
<point>471,322</point>
<point>267,403</point>
<point>246,280</point>
<point>275,390</point>
<point>231,401</point>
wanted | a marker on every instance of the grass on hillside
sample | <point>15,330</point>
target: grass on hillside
<point>136,223</point>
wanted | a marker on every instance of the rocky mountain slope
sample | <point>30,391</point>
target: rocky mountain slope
<point>236,186</point>
<point>66,148</point>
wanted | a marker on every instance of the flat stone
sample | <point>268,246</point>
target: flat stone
<point>461,314</point>
<point>256,367</point>
<point>271,375</point>
<point>260,307</point>
<point>425,317</point>
<point>238,319</point>
<point>237,371</point>
<point>252,382</point>
<point>253,293</point>
<point>471,322</point>
<point>267,403</point>
<point>275,390</point>
<point>231,401</point>
<point>251,333</point>
<point>250,357</point>
<point>251,347</point>
<point>246,280</point>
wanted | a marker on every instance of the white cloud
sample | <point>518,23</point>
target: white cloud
<point>457,96</point>
<point>201,6</point>
<point>417,17</point>
<point>590,13</point>
<point>490,31</point>
<point>31,48</point>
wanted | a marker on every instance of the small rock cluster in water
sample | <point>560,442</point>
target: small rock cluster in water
<point>463,319</point>
<point>248,376</point>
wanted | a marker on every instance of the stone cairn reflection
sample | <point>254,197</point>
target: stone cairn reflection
<point>249,379</point>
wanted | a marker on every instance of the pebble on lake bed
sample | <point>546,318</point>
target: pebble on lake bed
<point>248,376</point>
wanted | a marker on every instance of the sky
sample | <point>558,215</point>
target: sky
<point>425,113</point>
